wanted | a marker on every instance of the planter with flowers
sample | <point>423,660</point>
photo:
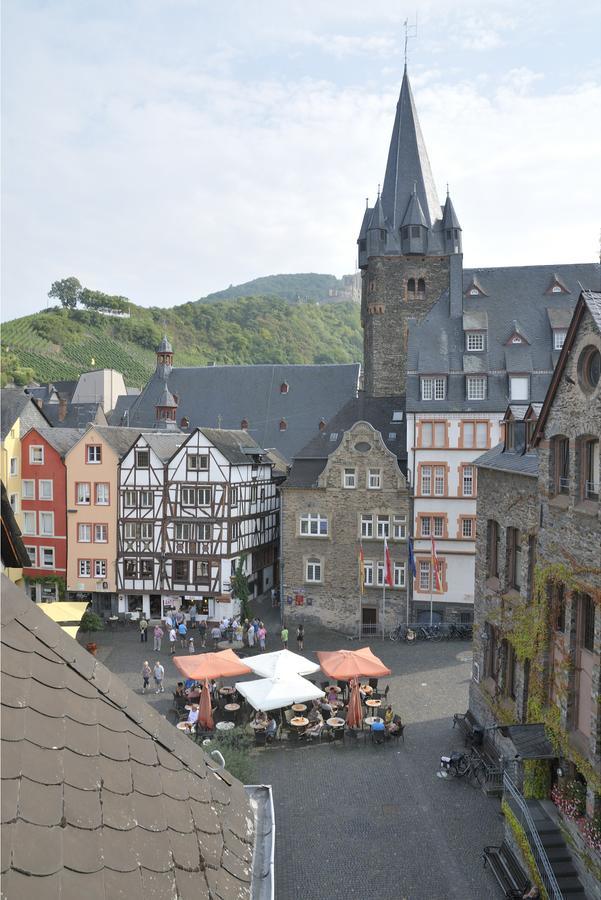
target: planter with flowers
<point>584,833</point>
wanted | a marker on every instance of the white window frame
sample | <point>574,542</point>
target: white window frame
<point>101,485</point>
<point>93,450</point>
<point>474,341</point>
<point>52,563</point>
<point>366,528</point>
<point>14,502</point>
<point>46,516</point>
<point>82,493</point>
<point>188,496</point>
<point>476,387</point>
<point>380,572</point>
<point>14,466</point>
<point>467,478</point>
<point>84,533</point>
<point>424,575</point>
<point>84,568</point>
<point>36,455</point>
<point>434,387</point>
<point>398,575</point>
<point>204,492</point>
<point>368,570</point>
<point>374,479</point>
<point>235,531</point>
<point>438,481</point>
<point>314,570</point>
<point>425,529</point>
<point>138,452</point>
<point>438,526</point>
<point>40,490</point>
<point>470,522</point>
<point>520,381</point>
<point>130,499</point>
<point>26,493</point>
<point>234,495</point>
<point>33,556</point>
<point>29,515</point>
<point>426,482</point>
<point>145,531</point>
<point>399,528</point>
<point>97,531</point>
<point>559,337</point>
<point>131,531</point>
<point>383,527</point>
<point>182,531</point>
<point>201,462</point>
<point>204,531</point>
<point>146,499</point>
<point>313,525</point>
<point>100,568</point>
<point>349,478</point>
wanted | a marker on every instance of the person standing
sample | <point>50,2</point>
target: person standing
<point>191,646</point>
<point>250,636</point>
<point>146,673</point>
<point>143,629</point>
<point>202,632</point>
<point>284,636</point>
<point>172,640</point>
<point>182,631</point>
<point>216,635</point>
<point>159,674</point>
<point>300,637</point>
<point>262,634</point>
<point>158,637</point>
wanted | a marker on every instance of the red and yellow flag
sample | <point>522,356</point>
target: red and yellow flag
<point>361,568</point>
<point>436,567</point>
<point>387,565</point>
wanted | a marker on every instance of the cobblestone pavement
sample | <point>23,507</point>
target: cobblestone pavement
<point>366,821</point>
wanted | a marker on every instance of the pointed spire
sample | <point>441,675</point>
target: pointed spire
<point>377,217</point>
<point>414,214</point>
<point>449,216</point>
<point>408,164</point>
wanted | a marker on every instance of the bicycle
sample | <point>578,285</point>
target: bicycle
<point>403,633</point>
<point>460,765</point>
<point>429,633</point>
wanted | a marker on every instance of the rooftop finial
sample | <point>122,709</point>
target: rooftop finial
<point>447,188</point>
<point>367,203</point>
<point>378,191</point>
<point>408,29</point>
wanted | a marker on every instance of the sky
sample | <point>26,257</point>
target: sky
<point>164,149</point>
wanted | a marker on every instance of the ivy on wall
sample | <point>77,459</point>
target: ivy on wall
<point>50,579</point>
<point>523,844</point>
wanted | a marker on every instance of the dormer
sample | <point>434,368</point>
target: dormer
<point>284,387</point>
<point>557,286</point>
<point>516,335</point>
<point>515,429</point>
<point>530,419</point>
<point>475,327</point>
<point>475,289</point>
<point>559,320</point>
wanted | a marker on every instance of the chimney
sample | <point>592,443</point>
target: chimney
<point>62,409</point>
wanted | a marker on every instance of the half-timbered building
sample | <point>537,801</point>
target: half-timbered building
<point>190,508</point>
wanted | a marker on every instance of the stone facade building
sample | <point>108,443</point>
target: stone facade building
<point>346,492</point>
<point>537,616</point>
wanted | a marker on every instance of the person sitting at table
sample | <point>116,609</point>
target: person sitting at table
<point>260,720</point>
<point>378,728</point>
<point>271,728</point>
<point>332,696</point>
<point>314,729</point>
<point>395,726</point>
<point>314,714</point>
<point>326,709</point>
<point>192,716</point>
<point>179,690</point>
<point>388,715</point>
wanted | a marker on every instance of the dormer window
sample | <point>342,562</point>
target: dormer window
<point>556,289</point>
<point>474,341</point>
<point>559,336</point>
<point>516,339</point>
<point>283,425</point>
<point>510,435</point>
<point>519,387</point>
<point>284,387</point>
<point>474,291</point>
<point>397,415</point>
<point>434,388</point>
<point>476,387</point>
<point>244,425</point>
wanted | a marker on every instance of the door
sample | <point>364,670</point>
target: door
<point>369,620</point>
<point>155,606</point>
<point>585,636</point>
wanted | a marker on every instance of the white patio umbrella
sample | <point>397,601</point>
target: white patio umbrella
<point>274,693</point>
<point>281,663</point>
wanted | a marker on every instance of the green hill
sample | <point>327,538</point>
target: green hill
<point>304,286</point>
<point>61,343</point>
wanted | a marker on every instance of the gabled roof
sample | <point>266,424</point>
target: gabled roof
<point>102,797</point>
<point>120,439</point>
<point>509,461</point>
<point>236,445</point>
<point>164,444</point>
<point>62,439</point>
<point>516,330</point>
<point>588,300</point>
<point>13,403</point>
<point>557,281</point>
<point>559,318</point>
<point>474,284</point>
<point>76,415</point>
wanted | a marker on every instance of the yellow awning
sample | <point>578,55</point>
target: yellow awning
<point>71,630</point>
<point>64,611</point>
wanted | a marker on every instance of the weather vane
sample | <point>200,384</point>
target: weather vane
<point>410,32</point>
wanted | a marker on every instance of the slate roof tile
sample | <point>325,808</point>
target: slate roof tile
<point>110,717</point>
<point>113,744</point>
<point>83,739</point>
<point>41,765</point>
<point>9,798</point>
<point>44,731</point>
<point>13,722</point>
<point>222,885</point>
<point>18,884</point>
<point>40,804</point>
<point>36,849</point>
<point>205,817</point>
<point>118,810</point>
<point>81,771</point>
<point>149,813</point>
<point>7,833</point>
<point>46,672</point>
<point>235,865</point>
<point>142,750</point>
<point>199,788</point>
<point>240,848</point>
<point>186,852</point>
<point>82,849</point>
<point>15,691</point>
<point>12,760</point>
<point>116,776</point>
<point>169,761</point>
<point>190,886</point>
<point>118,854</point>
<point>77,885</point>
<point>211,847</point>
<point>123,885</point>
<point>15,663</point>
<point>153,852</point>
<point>175,785</point>
<point>82,808</point>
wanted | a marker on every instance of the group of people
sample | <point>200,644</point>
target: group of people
<point>300,637</point>
<point>176,629</point>
<point>157,673</point>
<point>265,722</point>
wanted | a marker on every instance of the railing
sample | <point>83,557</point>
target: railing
<point>591,490</point>
<point>564,484</point>
<point>538,851</point>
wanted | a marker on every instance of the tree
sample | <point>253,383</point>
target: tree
<point>239,585</point>
<point>67,291</point>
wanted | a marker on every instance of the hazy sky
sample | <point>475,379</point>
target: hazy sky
<point>163,149</point>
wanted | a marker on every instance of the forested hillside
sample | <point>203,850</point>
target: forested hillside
<point>63,342</point>
<point>304,286</point>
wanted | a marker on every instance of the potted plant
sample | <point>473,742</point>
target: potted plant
<point>91,622</point>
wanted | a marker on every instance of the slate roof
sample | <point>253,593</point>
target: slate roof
<point>378,411</point>
<point>213,396</point>
<point>509,461</point>
<point>101,796</point>
<point>62,439</point>
<point>530,741</point>
<point>593,302</point>
<point>164,445</point>
<point>76,415</point>
<point>237,445</point>
<point>120,439</point>
<point>13,403</point>
<point>512,295</point>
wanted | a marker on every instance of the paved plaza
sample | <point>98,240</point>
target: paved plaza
<point>364,820</point>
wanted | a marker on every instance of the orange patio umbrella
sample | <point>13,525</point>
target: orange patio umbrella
<point>203,666</point>
<point>205,713</point>
<point>344,665</point>
<point>354,714</point>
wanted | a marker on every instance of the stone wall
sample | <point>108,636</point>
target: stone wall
<point>336,601</point>
<point>385,311</point>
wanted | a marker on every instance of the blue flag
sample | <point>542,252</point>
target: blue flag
<point>412,568</point>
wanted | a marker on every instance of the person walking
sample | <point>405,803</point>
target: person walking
<point>262,634</point>
<point>159,674</point>
<point>216,635</point>
<point>250,636</point>
<point>300,637</point>
<point>284,636</point>
<point>202,632</point>
<point>182,631</point>
<point>143,629</point>
<point>172,640</point>
<point>191,645</point>
<point>146,673</point>
<point>158,635</point>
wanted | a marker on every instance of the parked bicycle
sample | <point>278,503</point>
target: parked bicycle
<point>403,633</point>
<point>461,765</point>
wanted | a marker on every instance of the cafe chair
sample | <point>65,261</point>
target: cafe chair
<point>373,682</point>
<point>260,738</point>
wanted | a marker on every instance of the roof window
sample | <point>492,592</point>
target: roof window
<point>284,387</point>
<point>334,436</point>
<point>283,424</point>
<point>397,415</point>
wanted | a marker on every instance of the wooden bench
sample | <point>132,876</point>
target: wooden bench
<point>507,870</point>
<point>467,724</point>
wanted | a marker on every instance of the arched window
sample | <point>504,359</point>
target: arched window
<point>411,286</point>
<point>421,286</point>
<point>283,424</point>
<point>284,387</point>
<point>244,424</point>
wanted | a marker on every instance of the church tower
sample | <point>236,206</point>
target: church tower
<point>405,244</point>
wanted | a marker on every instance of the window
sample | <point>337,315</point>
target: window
<point>349,478</point>
<point>427,579</point>
<point>467,481</point>
<point>284,387</point>
<point>519,387</point>
<point>367,526</point>
<point>45,489</point>
<point>380,573</point>
<point>28,488</point>
<point>32,552</point>
<point>202,570</point>
<point>415,231</point>
<point>421,286</point>
<point>180,570</point>
<point>397,415</point>
<point>102,493</point>
<point>434,388</point>
<point>474,340</point>
<point>556,289</point>
<point>36,456</point>
<point>235,531</point>
<point>474,292</point>
<point>101,534</point>
<point>146,568</point>
<point>399,575</point>
<point>94,453</point>
<point>589,369</point>
<point>589,453</point>
<point>467,529</point>
<point>426,480</point>
<point>476,387</point>
<point>492,549</point>
<point>510,673</point>
<point>562,465</point>
<point>283,424</point>
<point>204,496</point>
<point>85,568</point>
<point>411,282</point>
<point>559,336</point>
<point>374,479</point>
<point>314,524</point>
<point>399,527</point>
<point>131,531</point>
<point>426,526</point>
<point>14,465</point>
<point>129,499</point>
<point>29,523</point>
<point>204,531</point>
<point>438,526</point>
<point>146,499</point>
<point>234,495</point>
<point>587,615</point>
<point>100,568</point>
<point>475,435</point>
<point>182,531</point>
<point>439,481</point>
<point>146,531</point>
<point>313,570</point>
<point>47,523</point>
<point>514,559</point>
<point>434,434</point>
<point>142,459</point>
<point>198,461</point>
<point>84,533</point>
<point>82,493</point>
<point>129,568</point>
<point>424,576</point>
<point>369,573</point>
<point>253,493</point>
<point>188,496</point>
<point>383,526</point>
<point>14,502</point>
<point>432,526</point>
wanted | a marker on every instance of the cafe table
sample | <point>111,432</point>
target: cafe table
<point>226,691</point>
<point>224,726</point>
<point>299,723</point>
<point>373,704</point>
<point>299,707</point>
<point>367,689</point>
<point>335,722</point>
<point>369,720</point>
<point>184,726</point>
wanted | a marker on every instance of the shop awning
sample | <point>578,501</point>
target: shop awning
<point>530,741</point>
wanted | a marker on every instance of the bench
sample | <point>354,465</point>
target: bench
<point>507,870</point>
<point>469,726</point>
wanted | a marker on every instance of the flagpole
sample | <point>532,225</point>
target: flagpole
<point>431,577</point>
<point>384,606</point>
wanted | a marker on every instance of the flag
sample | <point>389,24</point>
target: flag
<point>387,565</point>
<point>436,568</point>
<point>361,569</point>
<point>412,567</point>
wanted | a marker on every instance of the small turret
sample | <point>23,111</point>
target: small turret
<point>164,357</point>
<point>362,239</point>
<point>414,227</point>
<point>376,230</point>
<point>166,409</point>
<point>451,228</point>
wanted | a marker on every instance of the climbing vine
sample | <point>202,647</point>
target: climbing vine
<point>522,842</point>
<point>50,579</point>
